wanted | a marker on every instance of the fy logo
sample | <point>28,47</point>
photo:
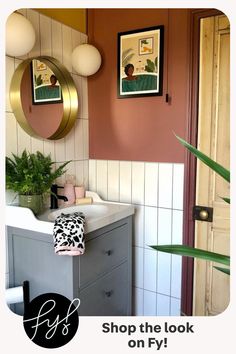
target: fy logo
<point>51,320</point>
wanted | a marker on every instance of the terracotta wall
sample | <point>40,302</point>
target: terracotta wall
<point>138,129</point>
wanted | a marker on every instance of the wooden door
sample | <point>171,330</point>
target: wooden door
<point>211,287</point>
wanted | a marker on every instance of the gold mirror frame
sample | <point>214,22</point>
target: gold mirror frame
<point>69,94</point>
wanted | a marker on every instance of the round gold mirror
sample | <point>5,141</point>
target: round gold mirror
<point>44,98</point>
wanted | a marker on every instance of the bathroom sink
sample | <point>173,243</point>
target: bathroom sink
<point>98,214</point>
<point>90,211</point>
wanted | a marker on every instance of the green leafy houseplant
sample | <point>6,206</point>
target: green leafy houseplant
<point>31,175</point>
<point>196,252</point>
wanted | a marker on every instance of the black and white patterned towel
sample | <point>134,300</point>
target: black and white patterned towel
<point>68,234</point>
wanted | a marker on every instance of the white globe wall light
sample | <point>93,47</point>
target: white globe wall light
<point>20,35</point>
<point>86,59</point>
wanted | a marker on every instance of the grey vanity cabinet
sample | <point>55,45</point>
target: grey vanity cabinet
<point>101,278</point>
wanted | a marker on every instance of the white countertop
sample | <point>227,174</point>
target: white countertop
<point>24,218</point>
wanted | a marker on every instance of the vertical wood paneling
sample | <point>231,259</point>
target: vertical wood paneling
<point>86,174</point>
<point>57,40</point>
<point>93,175</point>
<point>70,145</point>
<point>125,181</point>
<point>79,139</point>
<point>66,47</point>
<point>23,140</point>
<point>45,35</point>
<point>85,139</point>
<point>79,172</point>
<point>11,134</point>
<point>84,98</point>
<point>60,154</point>
<point>78,83</point>
<point>70,169</point>
<point>113,180</point>
<point>36,145</point>
<point>49,148</point>
<point>102,178</point>
<point>75,41</point>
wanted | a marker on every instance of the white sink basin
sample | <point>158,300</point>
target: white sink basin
<point>91,211</point>
<point>98,214</point>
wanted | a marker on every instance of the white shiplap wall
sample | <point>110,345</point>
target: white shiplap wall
<point>156,190</point>
<point>57,40</point>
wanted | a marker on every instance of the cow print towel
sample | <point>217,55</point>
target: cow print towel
<point>68,234</point>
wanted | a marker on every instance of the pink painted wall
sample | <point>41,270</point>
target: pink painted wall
<point>138,129</point>
<point>44,118</point>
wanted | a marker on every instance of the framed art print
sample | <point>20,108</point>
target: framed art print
<point>140,62</point>
<point>45,85</point>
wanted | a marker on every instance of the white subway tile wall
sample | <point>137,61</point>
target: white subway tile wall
<point>57,40</point>
<point>156,190</point>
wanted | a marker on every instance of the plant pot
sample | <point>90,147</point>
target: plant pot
<point>33,202</point>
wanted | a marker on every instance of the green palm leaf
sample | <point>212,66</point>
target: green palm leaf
<point>223,172</point>
<point>223,270</point>
<point>188,251</point>
<point>227,200</point>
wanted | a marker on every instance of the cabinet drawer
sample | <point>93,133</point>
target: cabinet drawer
<point>108,296</point>
<point>103,253</point>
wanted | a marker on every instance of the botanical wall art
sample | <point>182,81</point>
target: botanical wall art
<point>140,62</point>
<point>45,85</point>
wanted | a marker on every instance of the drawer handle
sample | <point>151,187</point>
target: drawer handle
<point>108,293</point>
<point>108,253</point>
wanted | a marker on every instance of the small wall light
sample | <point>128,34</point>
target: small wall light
<point>86,59</point>
<point>20,35</point>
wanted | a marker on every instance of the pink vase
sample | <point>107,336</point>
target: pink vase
<point>69,189</point>
<point>79,192</point>
<point>69,192</point>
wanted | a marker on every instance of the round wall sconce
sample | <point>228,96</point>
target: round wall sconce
<point>20,35</point>
<point>86,59</point>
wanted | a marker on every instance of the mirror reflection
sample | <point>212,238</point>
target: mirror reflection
<point>45,85</point>
<point>37,95</point>
<point>46,104</point>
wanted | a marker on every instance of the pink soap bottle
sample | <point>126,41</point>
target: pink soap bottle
<point>69,189</point>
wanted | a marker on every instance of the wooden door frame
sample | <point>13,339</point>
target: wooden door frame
<point>190,162</point>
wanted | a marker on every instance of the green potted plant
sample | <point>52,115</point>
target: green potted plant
<point>31,175</point>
